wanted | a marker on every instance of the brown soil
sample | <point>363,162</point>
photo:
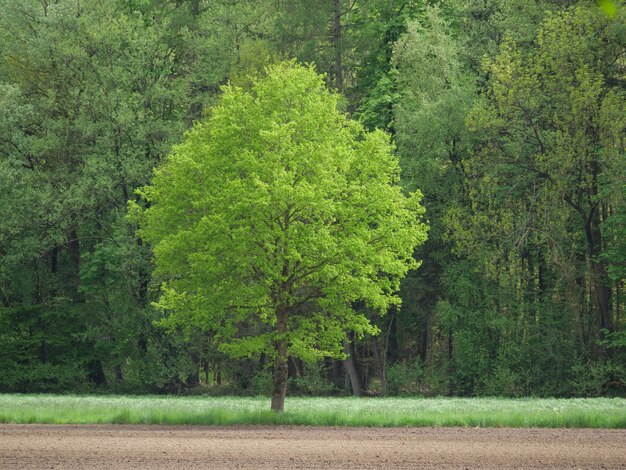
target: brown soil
<point>186,447</point>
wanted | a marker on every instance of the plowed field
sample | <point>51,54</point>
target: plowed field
<point>186,447</point>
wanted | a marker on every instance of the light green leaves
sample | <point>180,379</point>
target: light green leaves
<point>279,202</point>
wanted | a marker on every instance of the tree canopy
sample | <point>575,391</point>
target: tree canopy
<point>276,217</point>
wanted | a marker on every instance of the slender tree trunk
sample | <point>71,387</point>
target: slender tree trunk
<point>336,38</point>
<point>450,365</point>
<point>74,249</point>
<point>601,293</point>
<point>43,351</point>
<point>618,306</point>
<point>424,338</point>
<point>54,260</point>
<point>281,366</point>
<point>119,376</point>
<point>391,347</point>
<point>193,379</point>
<point>352,370</point>
<point>600,278</point>
<point>96,372</point>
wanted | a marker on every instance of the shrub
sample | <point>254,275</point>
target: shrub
<point>404,379</point>
<point>312,383</point>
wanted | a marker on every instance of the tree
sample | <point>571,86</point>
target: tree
<point>275,218</point>
<point>435,93</point>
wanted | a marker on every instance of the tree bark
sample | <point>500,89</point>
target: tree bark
<point>599,276</point>
<point>281,366</point>
<point>74,249</point>
<point>352,370</point>
<point>96,372</point>
<point>119,376</point>
<point>336,39</point>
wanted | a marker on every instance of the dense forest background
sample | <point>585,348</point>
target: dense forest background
<point>509,115</point>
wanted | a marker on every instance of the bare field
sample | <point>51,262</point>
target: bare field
<point>265,447</point>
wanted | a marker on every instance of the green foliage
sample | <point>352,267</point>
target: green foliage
<point>609,7</point>
<point>33,350</point>
<point>404,379</point>
<point>507,114</point>
<point>549,126</point>
<point>278,204</point>
<point>82,124</point>
<point>598,379</point>
<point>262,383</point>
<point>312,382</point>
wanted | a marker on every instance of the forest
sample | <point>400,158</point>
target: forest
<point>508,116</point>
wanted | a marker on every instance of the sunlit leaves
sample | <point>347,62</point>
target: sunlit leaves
<point>278,201</point>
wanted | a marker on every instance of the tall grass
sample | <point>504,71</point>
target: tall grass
<point>483,412</point>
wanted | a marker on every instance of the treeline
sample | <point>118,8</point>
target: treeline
<point>509,115</point>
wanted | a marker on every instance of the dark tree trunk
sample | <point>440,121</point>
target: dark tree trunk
<point>193,378</point>
<point>352,370</point>
<point>281,367</point>
<point>143,276</point>
<point>119,376</point>
<point>96,372</point>
<point>336,39</point>
<point>54,260</point>
<point>599,277</point>
<point>43,351</point>
<point>392,342</point>
<point>74,249</point>
<point>279,389</point>
<point>450,364</point>
<point>295,366</point>
<point>602,295</point>
<point>424,336</point>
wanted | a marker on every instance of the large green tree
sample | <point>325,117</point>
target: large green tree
<point>275,218</point>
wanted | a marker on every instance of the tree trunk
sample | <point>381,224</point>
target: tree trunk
<point>351,369</point>
<point>450,364</point>
<point>424,337</point>
<point>599,277</point>
<point>279,389</point>
<point>336,39</point>
<point>392,347</point>
<point>281,367</point>
<point>119,376</point>
<point>74,249</point>
<point>193,378</point>
<point>95,372</point>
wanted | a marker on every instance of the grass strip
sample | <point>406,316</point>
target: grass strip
<point>372,412</point>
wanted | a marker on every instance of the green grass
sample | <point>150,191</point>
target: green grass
<point>483,412</point>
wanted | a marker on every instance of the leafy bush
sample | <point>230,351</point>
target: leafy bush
<point>404,379</point>
<point>312,383</point>
<point>595,379</point>
<point>503,382</point>
<point>262,383</point>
